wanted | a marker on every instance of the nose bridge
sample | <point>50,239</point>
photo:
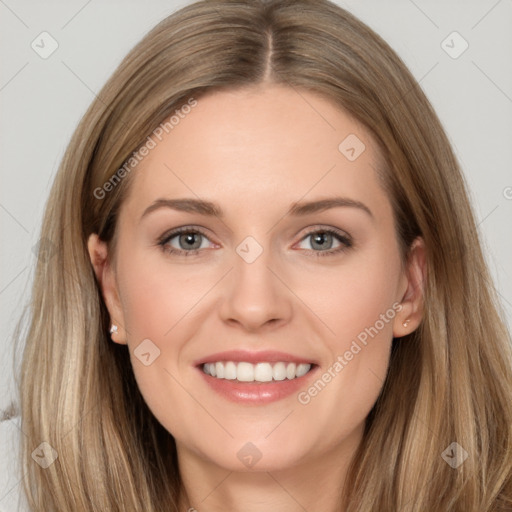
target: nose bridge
<point>252,276</point>
<point>252,264</point>
<point>256,295</point>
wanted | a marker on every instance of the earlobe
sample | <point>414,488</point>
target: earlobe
<point>412,299</point>
<point>98,254</point>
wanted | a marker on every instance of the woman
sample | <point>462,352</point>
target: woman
<point>248,373</point>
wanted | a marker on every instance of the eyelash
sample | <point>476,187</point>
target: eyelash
<point>167,237</point>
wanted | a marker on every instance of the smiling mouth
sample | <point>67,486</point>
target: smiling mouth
<point>260,372</point>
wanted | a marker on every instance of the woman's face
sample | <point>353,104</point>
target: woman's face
<point>271,278</point>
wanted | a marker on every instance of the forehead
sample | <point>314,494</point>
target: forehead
<point>259,145</point>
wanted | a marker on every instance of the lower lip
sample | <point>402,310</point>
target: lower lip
<point>256,393</point>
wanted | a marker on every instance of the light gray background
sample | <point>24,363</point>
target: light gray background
<point>42,100</point>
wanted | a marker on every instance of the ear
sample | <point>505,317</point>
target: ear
<point>98,253</point>
<point>412,288</point>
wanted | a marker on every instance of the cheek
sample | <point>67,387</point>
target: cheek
<point>358,304</point>
<point>157,295</point>
<point>354,297</point>
<point>159,301</point>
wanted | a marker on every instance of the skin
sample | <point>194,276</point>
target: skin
<point>254,152</point>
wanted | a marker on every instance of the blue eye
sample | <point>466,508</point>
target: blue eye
<point>190,241</point>
<point>323,238</point>
<point>186,237</point>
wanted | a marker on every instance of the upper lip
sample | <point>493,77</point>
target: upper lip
<point>264,356</point>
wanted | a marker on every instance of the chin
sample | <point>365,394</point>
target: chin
<point>257,455</point>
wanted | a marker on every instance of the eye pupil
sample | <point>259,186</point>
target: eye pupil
<point>319,238</point>
<point>188,240</point>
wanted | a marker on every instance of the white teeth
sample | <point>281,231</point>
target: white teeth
<point>229,370</point>
<point>279,371</point>
<point>263,372</point>
<point>302,369</point>
<point>245,372</point>
<point>219,370</point>
<point>260,372</point>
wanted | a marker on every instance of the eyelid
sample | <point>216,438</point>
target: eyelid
<point>327,229</point>
<point>172,233</point>
<point>344,238</point>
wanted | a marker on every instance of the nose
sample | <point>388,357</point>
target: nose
<point>257,295</point>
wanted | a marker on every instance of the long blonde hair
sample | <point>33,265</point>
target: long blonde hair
<point>449,381</point>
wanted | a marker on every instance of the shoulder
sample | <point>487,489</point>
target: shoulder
<point>12,498</point>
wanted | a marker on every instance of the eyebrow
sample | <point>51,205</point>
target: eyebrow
<point>297,209</point>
